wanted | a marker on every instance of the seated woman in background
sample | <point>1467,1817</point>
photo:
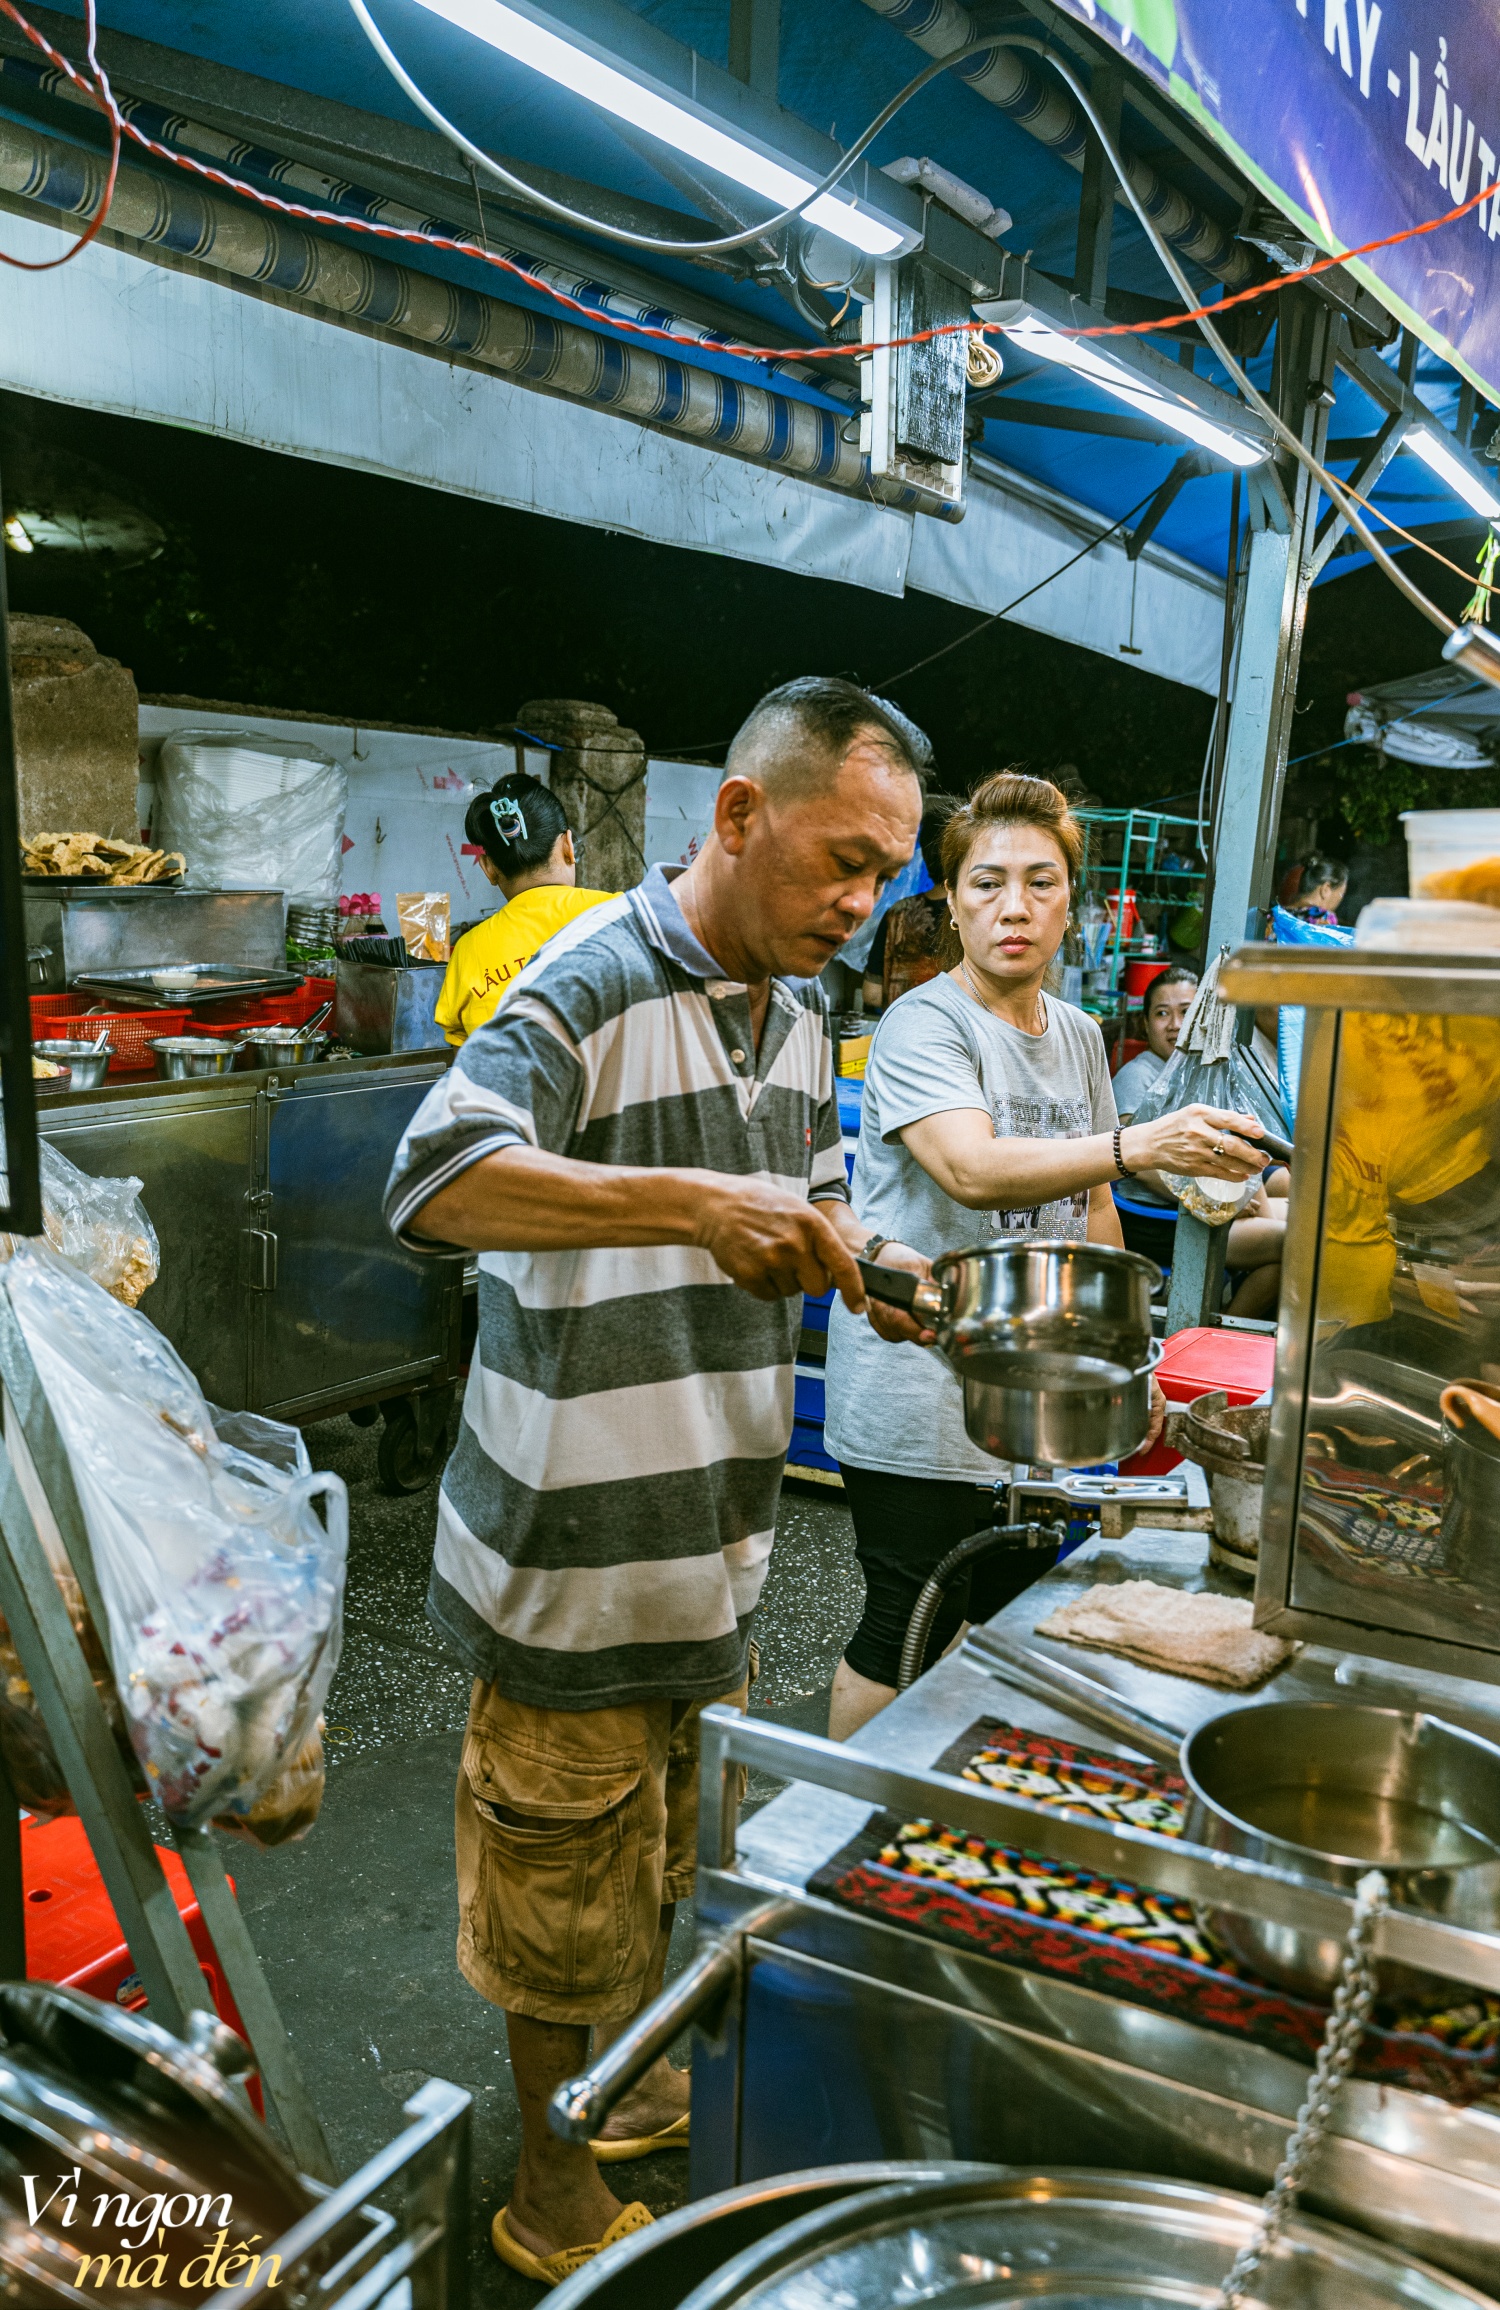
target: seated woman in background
<point>1258,1237</point>
<point>520,827</point>
<point>1321,887</point>
<point>915,939</point>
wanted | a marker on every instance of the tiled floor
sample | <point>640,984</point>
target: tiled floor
<point>356,1924</point>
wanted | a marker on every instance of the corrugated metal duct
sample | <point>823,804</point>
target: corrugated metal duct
<point>326,277</point>
<point>1046,111</point>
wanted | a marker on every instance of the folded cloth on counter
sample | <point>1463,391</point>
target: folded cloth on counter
<point>1210,1638</point>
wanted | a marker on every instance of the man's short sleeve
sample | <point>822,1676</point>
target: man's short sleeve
<point>921,1063</point>
<point>517,1082</point>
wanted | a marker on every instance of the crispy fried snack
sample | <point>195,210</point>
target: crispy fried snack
<point>101,857</point>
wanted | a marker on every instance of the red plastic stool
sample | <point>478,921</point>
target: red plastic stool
<point>74,1938</point>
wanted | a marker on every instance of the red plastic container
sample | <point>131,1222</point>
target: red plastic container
<point>1194,1362</point>
<point>1122,908</point>
<point>293,1010</point>
<point>1141,971</point>
<point>46,1010</point>
<point>73,1938</point>
<point>131,1032</point>
<point>1121,1054</point>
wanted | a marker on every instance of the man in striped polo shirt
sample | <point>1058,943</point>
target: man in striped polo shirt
<point>644,1147</point>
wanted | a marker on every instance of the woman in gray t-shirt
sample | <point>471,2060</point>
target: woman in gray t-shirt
<point>987,1115</point>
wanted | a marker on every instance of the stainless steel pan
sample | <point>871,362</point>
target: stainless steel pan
<point>1325,1789</point>
<point>1051,1340</point>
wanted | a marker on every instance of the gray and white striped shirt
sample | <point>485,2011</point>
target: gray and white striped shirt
<point>607,1516</point>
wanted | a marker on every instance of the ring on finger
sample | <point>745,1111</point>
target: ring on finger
<point>1218,1145</point>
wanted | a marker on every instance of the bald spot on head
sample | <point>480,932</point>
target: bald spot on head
<point>792,763</point>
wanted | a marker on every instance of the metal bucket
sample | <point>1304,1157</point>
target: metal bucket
<point>181,1055</point>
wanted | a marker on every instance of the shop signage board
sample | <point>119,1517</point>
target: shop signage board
<point>1358,118</point>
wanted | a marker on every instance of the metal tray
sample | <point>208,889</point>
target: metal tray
<point>70,885</point>
<point>213,981</point>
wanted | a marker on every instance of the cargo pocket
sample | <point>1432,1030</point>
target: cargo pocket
<point>564,1898</point>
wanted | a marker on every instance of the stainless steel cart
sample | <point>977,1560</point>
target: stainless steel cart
<point>281,1286</point>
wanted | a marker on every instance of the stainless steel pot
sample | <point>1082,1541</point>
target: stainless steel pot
<point>654,2269</point>
<point>1053,1427</point>
<point>180,1055</point>
<point>1062,1328</point>
<point>1085,2241</point>
<point>87,1066</point>
<point>1323,1789</point>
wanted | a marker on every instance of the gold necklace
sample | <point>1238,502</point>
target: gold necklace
<point>1039,1014</point>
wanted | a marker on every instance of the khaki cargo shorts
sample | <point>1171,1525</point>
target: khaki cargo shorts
<point>573,1827</point>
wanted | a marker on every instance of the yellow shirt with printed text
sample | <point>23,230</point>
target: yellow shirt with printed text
<point>488,958</point>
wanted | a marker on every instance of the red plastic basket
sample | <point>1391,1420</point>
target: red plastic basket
<point>47,1009</point>
<point>131,1032</point>
<point>292,1010</point>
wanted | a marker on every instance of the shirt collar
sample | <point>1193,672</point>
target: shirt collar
<point>666,926</point>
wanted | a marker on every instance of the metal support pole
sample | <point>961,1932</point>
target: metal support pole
<point>1278,580</point>
<point>755,45</point>
<point>1096,202</point>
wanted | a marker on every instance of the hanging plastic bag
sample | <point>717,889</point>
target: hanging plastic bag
<point>290,1805</point>
<point>1209,1068</point>
<point>1294,930</point>
<point>422,917</point>
<point>98,1225</point>
<point>222,1583</point>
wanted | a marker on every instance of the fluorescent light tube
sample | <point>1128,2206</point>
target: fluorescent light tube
<point>1033,336</point>
<point>1452,469</point>
<point>642,106</point>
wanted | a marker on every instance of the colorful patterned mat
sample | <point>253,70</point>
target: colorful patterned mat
<point>1123,1939</point>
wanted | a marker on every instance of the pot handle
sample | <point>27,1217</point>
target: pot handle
<point>899,1288</point>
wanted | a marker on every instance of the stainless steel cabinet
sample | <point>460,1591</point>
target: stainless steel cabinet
<point>281,1286</point>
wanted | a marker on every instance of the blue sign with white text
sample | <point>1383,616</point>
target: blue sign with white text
<point>1359,118</point>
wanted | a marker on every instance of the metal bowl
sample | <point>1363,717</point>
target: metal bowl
<point>1328,1790</point>
<point>281,1046</point>
<point>1085,2241</point>
<point>87,1066</point>
<point>180,1055</point>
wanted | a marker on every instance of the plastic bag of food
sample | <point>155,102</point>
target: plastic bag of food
<point>1209,1069</point>
<point>222,1582</point>
<point>31,1763</point>
<point>99,1226</point>
<point>422,917</point>
<point>290,1805</point>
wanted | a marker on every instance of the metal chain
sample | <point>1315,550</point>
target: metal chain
<point>1352,2000</point>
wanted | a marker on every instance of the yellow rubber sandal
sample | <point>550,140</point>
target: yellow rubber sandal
<point>615,2153</point>
<point>551,2269</point>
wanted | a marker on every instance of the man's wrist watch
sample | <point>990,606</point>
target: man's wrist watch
<point>874,1247</point>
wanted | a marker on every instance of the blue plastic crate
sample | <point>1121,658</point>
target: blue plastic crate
<point>851,1092</point>
<point>808,1398</point>
<point>806,1447</point>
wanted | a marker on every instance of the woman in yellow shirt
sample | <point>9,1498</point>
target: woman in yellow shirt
<point>520,827</point>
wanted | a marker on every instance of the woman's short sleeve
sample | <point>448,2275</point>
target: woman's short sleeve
<point>921,1064</point>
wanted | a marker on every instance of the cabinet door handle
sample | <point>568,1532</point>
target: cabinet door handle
<point>260,1255</point>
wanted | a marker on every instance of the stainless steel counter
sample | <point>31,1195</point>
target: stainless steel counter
<point>854,2037</point>
<point>281,1286</point>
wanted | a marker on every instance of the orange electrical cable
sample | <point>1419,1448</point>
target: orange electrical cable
<point>461,246</point>
<point>98,88</point>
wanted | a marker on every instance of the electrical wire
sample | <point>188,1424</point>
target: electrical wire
<point>515,185</point>
<point>1199,314</point>
<point>100,91</point>
<point>1290,441</point>
<point>889,681</point>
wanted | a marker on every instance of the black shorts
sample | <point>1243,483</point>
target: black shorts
<point>903,1528</point>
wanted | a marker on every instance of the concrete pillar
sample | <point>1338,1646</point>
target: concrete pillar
<point>599,777</point>
<point>77,746</point>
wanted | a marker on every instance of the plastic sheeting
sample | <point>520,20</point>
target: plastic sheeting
<point>1444,719</point>
<point>252,813</point>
